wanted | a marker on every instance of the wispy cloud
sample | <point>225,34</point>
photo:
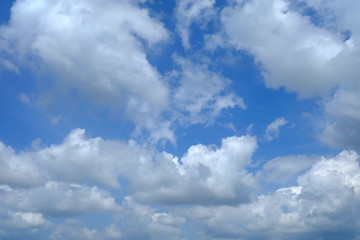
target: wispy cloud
<point>273,129</point>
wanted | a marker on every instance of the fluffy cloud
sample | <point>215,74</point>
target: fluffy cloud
<point>97,51</point>
<point>304,56</point>
<point>59,199</point>
<point>210,190</point>
<point>293,51</point>
<point>74,229</point>
<point>24,220</point>
<point>207,175</point>
<point>341,121</point>
<point>203,175</point>
<point>212,180</point>
<point>140,221</point>
<point>323,205</point>
<point>18,169</point>
<point>91,46</point>
<point>273,129</point>
<point>341,118</point>
<point>25,213</point>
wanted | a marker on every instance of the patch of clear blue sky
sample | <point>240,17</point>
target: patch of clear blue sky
<point>5,6</point>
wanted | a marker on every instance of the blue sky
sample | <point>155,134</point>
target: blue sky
<point>188,119</point>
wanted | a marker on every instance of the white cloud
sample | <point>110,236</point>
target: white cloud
<point>113,232</point>
<point>304,56</point>
<point>283,169</point>
<point>203,175</point>
<point>189,12</point>
<point>149,120</point>
<point>207,175</point>
<point>214,178</point>
<point>341,120</point>
<point>18,170</point>
<point>340,124</point>
<point>202,94</point>
<point>323,203</point>
<point>24,220</point>
<point>74,229</point>
<point>150,223</point>
<point>78,158</point>
<point>345,15</point>
<point>294,53</point>
<point>273,129</point>
<point>59,199</point>
<point>97,51</point>
<point>91,46</point>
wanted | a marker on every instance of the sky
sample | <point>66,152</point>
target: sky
<point>180,119</point>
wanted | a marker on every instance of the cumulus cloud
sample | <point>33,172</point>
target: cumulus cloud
<point>273,129</point>
<point>322,205</point>
<point>293,51</point>
<point>304,56</point>
<point>91,46</point>
<point>140,221</point>
<point>97,51</point>
<point>209,191</point>
<point>18,169</point>
<point>339,127</point>
<point>59,199</point>
<point>209,185</point>
<point>24,220</point>
<point>341,120</point>
<point>74,229</point>
<point>113,232</point>
<point>203,175</point>
<point>25,213</point>
<point>207,175</point>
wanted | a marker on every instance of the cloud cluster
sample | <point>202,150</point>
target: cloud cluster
<point>97,51</point>
<point>55,181</point>
<point>293,51</point>
<point>309,57</point>
<point>105,60</point>
<point>199,176</point>
<point>323,205</point>
<point>213,181</point>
